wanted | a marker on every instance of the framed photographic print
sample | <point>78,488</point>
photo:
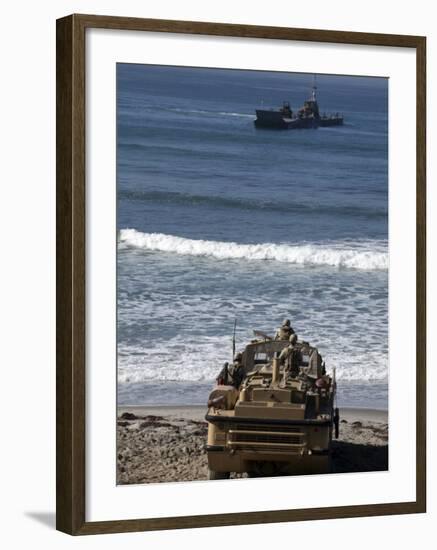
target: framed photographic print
<point>240,274</point>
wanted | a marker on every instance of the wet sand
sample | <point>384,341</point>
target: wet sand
<point>163,444</point>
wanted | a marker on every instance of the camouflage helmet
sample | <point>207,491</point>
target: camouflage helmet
<point>293,339</point>
<point>286,323</point>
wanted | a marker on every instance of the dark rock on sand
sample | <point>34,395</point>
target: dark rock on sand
<point>128,416</point>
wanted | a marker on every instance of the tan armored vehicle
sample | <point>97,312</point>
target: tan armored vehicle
<point>276,416</point>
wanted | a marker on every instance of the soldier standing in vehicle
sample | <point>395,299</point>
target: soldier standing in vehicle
<point>236,370</point>
<point>284,331</point>
<point>232,374</point>
<point>222,378</point>
<point>290,356</point>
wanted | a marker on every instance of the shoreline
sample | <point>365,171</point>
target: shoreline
<point>166,443</point>
<point>197,412</point>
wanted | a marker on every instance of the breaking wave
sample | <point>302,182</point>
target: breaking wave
<point>366,255</point>
<point>179,361</point>
<point>182,371</point>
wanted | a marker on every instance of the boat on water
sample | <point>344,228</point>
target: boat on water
<point>308,116</point>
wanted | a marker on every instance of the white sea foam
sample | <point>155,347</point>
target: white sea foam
<point>210,113</point>
<point>200,361</point>
<point>241,115</point>
<point>370,255</point>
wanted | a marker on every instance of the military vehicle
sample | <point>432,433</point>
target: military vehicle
<point>278,419</point>
<point>308,116</point>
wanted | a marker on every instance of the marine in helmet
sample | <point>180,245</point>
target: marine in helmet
<point>236,370</point>
<point>284,331</point>
<point>232,374</point>
<point>291,356</point>
<point>222,378</point>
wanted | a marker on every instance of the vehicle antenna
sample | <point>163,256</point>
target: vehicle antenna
<point>233,339</point>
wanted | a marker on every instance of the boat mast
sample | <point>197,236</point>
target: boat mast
<point>314,88</point>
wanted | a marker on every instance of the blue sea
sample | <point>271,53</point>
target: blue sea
<point>218,221</point>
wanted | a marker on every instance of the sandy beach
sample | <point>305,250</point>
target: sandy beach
<point>164,444</point>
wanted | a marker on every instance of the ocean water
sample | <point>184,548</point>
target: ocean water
<point>220,221</point>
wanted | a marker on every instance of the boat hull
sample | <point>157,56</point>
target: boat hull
<point>277,121</point>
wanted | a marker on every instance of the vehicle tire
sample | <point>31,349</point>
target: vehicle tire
<point>212,474</point>
<point>336,423</point>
